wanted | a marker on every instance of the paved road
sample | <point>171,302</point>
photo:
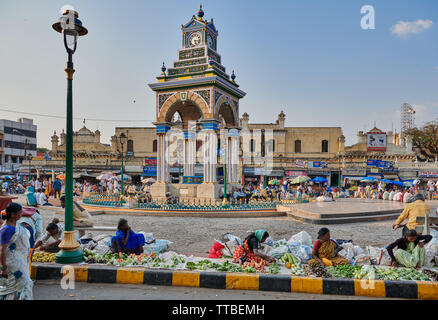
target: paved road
<point>51,290</point>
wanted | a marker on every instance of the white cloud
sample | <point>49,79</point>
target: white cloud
<point>404,28</point>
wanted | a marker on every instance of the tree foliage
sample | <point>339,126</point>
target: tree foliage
<point>425,141</point>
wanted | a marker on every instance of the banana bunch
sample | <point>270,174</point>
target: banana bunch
<point>290,260</point>
<point>43,257</point>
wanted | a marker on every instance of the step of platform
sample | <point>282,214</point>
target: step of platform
<point>345,219</point>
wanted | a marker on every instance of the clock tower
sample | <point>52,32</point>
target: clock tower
<point>197,89</point>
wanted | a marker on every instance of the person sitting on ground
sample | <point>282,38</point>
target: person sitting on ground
<point>385,195</point>
<point>391,195</point>
<point>418,208</point>
<point>250,249</point>
<point>81,217</point>
<point>408,197</point>
<point>54,230</point>
<point>411,252</point>
<point>325,251</point>
<point>126,240</point>
<point>397,196</point>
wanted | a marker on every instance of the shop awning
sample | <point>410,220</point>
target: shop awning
<point>134,169</point>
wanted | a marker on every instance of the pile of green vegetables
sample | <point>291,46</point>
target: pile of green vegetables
<point>376,273</point>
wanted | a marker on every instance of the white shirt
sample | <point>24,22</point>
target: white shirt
<point>110,186</point>
<point>391,195</point>
<point>38,184</point>
<point>42,200</point>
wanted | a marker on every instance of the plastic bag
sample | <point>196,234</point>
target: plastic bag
<point>302,237</point>
<point>233,238</point>
<point>266,250</point>
<point>159,246</point>
<point>431,253</point>
<point>216,250</point>
<point>102,247</point>
<point>270,241</point>
<point>279,252</point>
<point>148,237</point>
<point>358,251</point>
<point>347,252</point>
<point>304,253</point>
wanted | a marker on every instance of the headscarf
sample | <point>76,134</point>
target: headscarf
<point>259,234</point>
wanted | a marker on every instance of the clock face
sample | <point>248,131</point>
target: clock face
<point>195,39</point>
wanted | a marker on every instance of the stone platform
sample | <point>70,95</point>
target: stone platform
<point>347,210</point>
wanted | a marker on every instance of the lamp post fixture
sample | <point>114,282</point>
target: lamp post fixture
<point>26,147</point>
<point>122,139</point>
<point>29,158</point>
<point>70,27</point>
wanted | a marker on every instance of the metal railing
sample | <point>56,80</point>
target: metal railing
<point>188,205</point>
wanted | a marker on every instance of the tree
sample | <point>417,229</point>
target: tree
<point>42,150</point>
<point>425,141</point>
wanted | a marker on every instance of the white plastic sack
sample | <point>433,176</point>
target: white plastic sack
<point>434,240</point>
<point>348,251</point>
<point>103,246</point>
<point>357,250</point>
<point>233,238</point>
<point>361,260</point>
<point>304,253</point>
<point>270,241</point>
<point>431,253</point>
<point>279,252</point>
<point>101,237</point>
<point>266,249</point>
<point>148,237</point>
<point>302,237</point>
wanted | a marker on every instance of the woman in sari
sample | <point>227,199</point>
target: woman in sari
<point>325,250</point>
<point>249,250</point>
<point>126,240</point>
<point>14,254</point>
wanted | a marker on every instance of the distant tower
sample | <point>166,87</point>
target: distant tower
<point>407,117</point>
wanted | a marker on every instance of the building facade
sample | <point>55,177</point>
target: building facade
<point>19,140</point>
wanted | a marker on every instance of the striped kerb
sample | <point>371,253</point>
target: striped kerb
<point>130,275</point>
<point>185,279</point>
<point>306,285</point>
<point>427,290</point>
<point>369,288</point>
<point>242,281</point>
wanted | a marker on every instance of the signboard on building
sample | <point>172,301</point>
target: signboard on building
<point>150,161</point>
<point>300,163</point>
<point>354,172</point>
<point>318,173</point>
<point>150,171</point>
<point>376,141</point>
<point>316,164</point>
<point>379,163</point>
<point>253,171</point>
<point>290,173</point>
<point>428,174</point>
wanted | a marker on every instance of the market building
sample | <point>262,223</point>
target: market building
<point>19,140</point>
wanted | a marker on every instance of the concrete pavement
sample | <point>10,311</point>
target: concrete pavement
<point>51,290</point>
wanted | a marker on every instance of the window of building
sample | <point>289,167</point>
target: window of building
<point>297,145</point>
<point>324,146</point>
<point>270,146</point>
<point>154,146</point>
<point>130,147</point>
<point>198,144</point>
<point>251,145</point>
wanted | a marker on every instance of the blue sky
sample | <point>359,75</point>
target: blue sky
<point>308,58</point>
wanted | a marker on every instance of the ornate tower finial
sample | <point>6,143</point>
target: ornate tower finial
<point>233,76</point>
<point>163,69</point>
<point>200,13</point>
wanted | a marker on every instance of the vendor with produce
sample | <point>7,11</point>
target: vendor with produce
<point>250,249</point>
<point>325,251</point>
<point>54,230</point>
<point>410,252</point>
<point>126,240</point>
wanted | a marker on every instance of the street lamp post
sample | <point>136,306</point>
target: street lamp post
<point>123,139</point>
<point>70,27</point>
